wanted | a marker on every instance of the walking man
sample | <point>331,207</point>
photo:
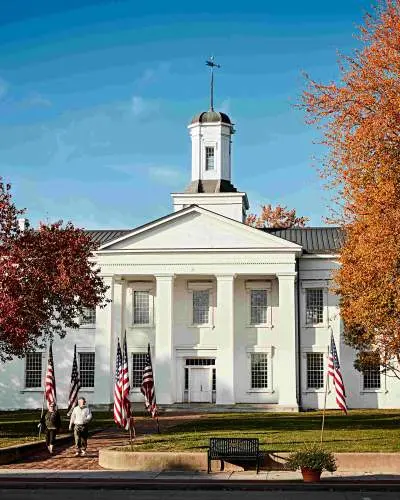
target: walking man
<point>80,418</point>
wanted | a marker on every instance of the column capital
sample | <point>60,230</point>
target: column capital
<point>164,277</point>
<point>290,276</point>
<point>225,277</point>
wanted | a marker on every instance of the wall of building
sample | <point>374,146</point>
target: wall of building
<point>206,341</point>
<point>318,272</point>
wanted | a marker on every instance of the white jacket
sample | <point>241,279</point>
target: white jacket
<point>80,416</point>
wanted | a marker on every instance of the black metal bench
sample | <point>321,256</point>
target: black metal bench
<point>234,448</point>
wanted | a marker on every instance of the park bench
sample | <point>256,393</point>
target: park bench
<point>245,449</point>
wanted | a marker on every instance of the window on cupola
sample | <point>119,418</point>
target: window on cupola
<point>209,158</point>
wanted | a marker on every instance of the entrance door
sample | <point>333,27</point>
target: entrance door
<point>200,384</point>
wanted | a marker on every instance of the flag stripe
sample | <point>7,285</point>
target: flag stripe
<point>147,387</point>
<point>122,405</point>
<point>117,387</point>
<point>50,381</point>
<point>335,373</point>
<point>75,385</point>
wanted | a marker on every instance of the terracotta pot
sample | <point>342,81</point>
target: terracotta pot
<point>311,475</point>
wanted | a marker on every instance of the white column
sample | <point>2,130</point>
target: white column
<point>287,356</point>
<point>117,306</point>
<point>164,372</point>
<point>225,339</point>
<point>103,348</point>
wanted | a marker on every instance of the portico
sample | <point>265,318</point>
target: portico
<point>206,343</point>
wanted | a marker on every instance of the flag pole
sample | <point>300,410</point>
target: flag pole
<point>158,425</point>
<point>41,415</point>
<point>326,393</point>
<point>44,397</point>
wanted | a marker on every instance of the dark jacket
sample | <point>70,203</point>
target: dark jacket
<point>52,420</point>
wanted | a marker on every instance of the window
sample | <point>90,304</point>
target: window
<point>214,380</point>
<point>201,307</point>
<point>258,307</point>
<point>86,369</point>
<point>315,370</point>
<point>314,306</point>
<point>89,316</point>
<point>141,307</point>
<point>209,158</point>
<point>259,370</point>
<point>371,379</point>
<point>33,369</point>
<point>200,362</point>
<point>138,365</point>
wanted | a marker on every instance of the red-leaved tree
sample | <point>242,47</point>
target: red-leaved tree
<point>47,279</point>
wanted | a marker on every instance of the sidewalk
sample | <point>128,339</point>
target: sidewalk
<point>175,480</point>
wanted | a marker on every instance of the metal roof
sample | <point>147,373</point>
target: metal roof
<point>211,116</point>
<point>313,239</point>
<point>210,186</point>
<point>101,236</point>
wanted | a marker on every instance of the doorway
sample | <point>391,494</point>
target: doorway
<point>200,387</point>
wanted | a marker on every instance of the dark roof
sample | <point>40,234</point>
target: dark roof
<point>101,236</point>
<point>312,239</point>
<point>211,117</point>
<point>211,186</point>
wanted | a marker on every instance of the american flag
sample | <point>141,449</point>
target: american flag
<point>126,388</point>
<point>118,387</point>
<point>334,372</point>
<point>147,387</point>
<point>50,381</point>
<point>74,386</point>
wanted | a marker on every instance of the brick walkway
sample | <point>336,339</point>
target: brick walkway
<point>64,459</point>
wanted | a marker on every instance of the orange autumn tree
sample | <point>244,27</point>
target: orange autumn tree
<point>278,217</point>
<point>360,118</point>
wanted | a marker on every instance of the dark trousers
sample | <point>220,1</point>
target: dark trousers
<point>51,436</point>
<point>81,435</point>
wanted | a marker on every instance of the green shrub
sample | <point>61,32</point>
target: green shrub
<point>312,457</point>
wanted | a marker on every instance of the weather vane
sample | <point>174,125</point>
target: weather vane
<point>213,65</point>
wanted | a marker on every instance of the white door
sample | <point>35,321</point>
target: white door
<point>200,384</point>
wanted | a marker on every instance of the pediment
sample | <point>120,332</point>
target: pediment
<point>195,228</point>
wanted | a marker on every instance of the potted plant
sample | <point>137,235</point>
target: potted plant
<point>311,460</point>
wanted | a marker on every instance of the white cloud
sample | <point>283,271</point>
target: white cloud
<point>150,75</point>
<point>37,100</point>
<point>138,105</point>
<point>3,88</point>
<point>164,175</point>
<point>225,106</point>
<point>143,107</point>
<point>168,176</point>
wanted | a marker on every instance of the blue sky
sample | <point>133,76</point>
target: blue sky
<point>95,98</point>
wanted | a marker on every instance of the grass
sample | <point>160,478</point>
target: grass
<point>360,431</point>
<point>17,427</point>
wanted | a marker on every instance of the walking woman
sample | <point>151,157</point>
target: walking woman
<point>52,422</point>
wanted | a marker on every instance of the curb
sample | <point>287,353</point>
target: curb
<point>229,485</point>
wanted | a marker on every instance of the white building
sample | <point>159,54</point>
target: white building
<point>233,314</point>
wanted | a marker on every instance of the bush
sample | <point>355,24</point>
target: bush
<point>312,457</point>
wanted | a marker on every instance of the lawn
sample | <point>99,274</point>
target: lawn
<point>20,426</point>
<point>360,431</point>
